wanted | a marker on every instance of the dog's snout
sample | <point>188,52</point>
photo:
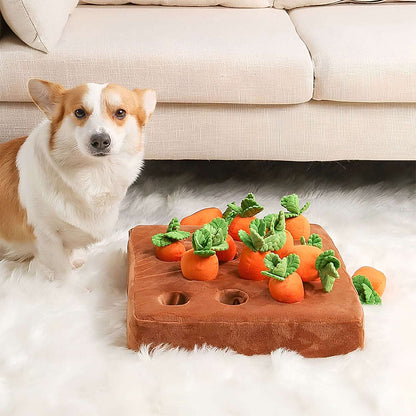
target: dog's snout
<point>100,141</point>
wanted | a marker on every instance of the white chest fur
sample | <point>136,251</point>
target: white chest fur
<point>79,201</point>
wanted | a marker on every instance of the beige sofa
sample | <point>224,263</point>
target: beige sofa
<point>312,83</point>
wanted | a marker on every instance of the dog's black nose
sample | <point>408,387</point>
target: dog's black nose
<point>100,141</point>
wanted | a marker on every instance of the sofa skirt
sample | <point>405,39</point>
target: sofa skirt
<point>314,131</point>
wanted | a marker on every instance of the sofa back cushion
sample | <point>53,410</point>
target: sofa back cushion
<point>38,23</point>
<point>293,4</point>
<point>226,3</point>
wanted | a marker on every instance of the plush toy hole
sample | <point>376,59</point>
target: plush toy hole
<point>232,297</point>
<point>173,298</point>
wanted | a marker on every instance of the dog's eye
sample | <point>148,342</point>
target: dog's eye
<point>120,114</point>
<point>79,113</point>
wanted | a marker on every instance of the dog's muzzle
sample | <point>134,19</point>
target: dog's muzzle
<point>100,144</point>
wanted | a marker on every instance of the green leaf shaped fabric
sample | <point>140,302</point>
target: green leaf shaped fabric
<point>326,257</point>
<point>177,235</point>
<point>160,240</point>
<point>328,274</point>
<point>173,225</point>
<point>291,203</point>
<point>275,242</point>
<point>327,265</point>
<point>293,262</point>
<point>313,240</point>
<point>218,229</point>
<point>245,238</point>
<point>275,222</point>
<point>202,243</point>
<point>249,206</point>
<point>259,226</point>
<point>280,268</point>
<point>231,212</point>
<point>257,240</point>
<point>366,293</point>
<point>172,235</point>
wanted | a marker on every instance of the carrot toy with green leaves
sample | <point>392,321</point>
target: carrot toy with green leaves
<point>240,217</point>
<point>258,244</point>
<point>276,223</point>
<point>285,285</point>
<point>200,262</point>
<point>317,264</point>
<point>168,246</point>
<point>365,290</point>
<point>296,223</point>
<point>376,278</point>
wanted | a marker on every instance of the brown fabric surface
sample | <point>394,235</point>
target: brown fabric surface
<point>233,312</point>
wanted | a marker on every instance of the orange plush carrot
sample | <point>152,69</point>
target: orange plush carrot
<point>197,267</point>
<point>376,278</point>
<point>167,245</point>
<point>296,223</point>
<point>285,285</point>
<point>315,263</point>
<point>258,245</point>
<point>228,255</point>
<point>288,247</point>
<point>202,217</point>
<point>308,254</point>
<point>240,217</point>
<point>172,252</point>
<point>279,225</point>
<point>201,263</point>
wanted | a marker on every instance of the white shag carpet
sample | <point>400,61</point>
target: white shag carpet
<point>62,343</point>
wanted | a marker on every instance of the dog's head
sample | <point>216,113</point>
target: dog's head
<point>96,120</point>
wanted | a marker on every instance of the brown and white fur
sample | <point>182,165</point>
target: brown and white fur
<point>61,187</point>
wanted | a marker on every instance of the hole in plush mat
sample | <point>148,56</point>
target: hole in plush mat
<point>173,298</point>
<point>232,297</point>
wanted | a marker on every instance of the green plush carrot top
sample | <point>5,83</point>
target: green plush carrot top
<point>327,265</point>
<point>172,235</point>
<point>259,240</point>
<point>314,240</point>
<point>248,208</point>
<point>210,238</point>
<point>218,229</point>
<point>275,223</point>
<point>280,268</point>
<point>291,203</point>
<point>365,290</point>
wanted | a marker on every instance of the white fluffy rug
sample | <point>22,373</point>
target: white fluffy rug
<point>62,343</point>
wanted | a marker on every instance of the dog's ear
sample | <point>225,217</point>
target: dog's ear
<point>147,104</point>
<point>46,95</point>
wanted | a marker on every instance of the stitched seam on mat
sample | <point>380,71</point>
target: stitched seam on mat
<point>34,27</point>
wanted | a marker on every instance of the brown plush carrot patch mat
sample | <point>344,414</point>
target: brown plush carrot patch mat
<point>166,308</point>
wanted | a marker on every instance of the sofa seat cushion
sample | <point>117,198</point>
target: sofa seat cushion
<point>361,53</point>
<point>188,55</point>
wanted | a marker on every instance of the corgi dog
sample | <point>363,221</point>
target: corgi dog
<point>61,187</point>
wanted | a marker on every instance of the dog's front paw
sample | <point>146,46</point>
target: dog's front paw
<point>78,258</point>
<point>77,263</point>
